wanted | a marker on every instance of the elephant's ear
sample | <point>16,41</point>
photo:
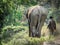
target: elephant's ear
<point>26,13</point>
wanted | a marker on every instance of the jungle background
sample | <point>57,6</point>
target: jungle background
<point>14,25</point>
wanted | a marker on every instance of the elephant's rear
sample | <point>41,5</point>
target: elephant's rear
<point>37,13</point>
<point>36,17</point>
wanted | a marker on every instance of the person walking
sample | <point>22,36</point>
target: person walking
<point>52,25</point>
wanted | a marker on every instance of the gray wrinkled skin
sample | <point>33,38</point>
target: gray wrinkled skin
<point>36,16</point>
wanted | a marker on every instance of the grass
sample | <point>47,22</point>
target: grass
<point>21,37</point>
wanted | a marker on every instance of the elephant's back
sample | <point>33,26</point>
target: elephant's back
<point>37,10</point>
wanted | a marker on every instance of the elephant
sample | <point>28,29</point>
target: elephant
<point>36,16</point>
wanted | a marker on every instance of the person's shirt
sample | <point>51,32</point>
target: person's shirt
<point>51,24</point>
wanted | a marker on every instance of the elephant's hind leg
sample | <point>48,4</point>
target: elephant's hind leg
<point>30,32</point>
<point>33,23</point>
<point>40,24</point>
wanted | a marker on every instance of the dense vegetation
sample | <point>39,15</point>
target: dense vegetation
<point>12,15</point>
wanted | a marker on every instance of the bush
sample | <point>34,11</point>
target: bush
<point>18,35</point>
<point>28,40</point>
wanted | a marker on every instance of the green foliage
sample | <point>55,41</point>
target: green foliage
<point>55,13</point>
<point>11,12</point>
<point>12,31</point>
<point>15,17</point>
<point>21,38</point>
<point>18,35</point>
<point>16,10</point>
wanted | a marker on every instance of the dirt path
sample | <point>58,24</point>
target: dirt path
<point>57,37</point>
<point>57,40</point>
